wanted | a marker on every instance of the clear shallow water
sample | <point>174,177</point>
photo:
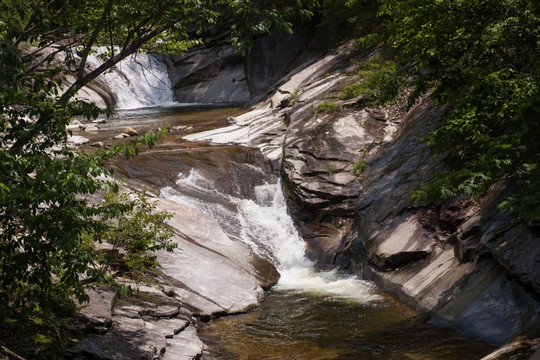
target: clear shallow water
<point>313,312</point>
<point>289,325</point>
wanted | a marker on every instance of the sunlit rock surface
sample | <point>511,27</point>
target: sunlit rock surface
<point>210,272</point>
<point>465,264</point>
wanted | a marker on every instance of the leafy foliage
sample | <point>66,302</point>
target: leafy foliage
<point>359,167</point>
<point>327,107</point>
<point>380,83</point>
<point>481,58</point>
<point>143,230</point>
<point>46,186</point>
<point>351,91</point>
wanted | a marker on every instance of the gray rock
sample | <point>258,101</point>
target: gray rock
<point>210,75</point>
<point>98,311</point>
<point>487,304</point>
<point>91,128</point>
<point>168,327</point>
<point>211,273</point>
<point>121,136</point>
<point>78,140</point>
<point>184,346</point>
<point>125,343</point>
<point>164,311</point>
<point>437,258</point>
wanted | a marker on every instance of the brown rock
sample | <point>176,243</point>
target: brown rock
<point>131,131</point>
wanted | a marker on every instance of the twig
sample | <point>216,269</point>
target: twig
<point>12,354</point>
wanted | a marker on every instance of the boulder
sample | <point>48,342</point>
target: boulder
<point>209,75</point>
<point>121,136</point>
<point>185,346</point>
<point>130,131</point>
<point>78,140</point>
<point>98,311</point>
<point>91,128</point>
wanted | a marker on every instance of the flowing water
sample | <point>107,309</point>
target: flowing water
<point>313,312</point>
<point>138,81</point>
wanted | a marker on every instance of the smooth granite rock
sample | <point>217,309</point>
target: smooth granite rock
<point>211,273</point>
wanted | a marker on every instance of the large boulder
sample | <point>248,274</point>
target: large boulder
<point>210,75</point>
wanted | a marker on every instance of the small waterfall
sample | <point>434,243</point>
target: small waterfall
<point>263,223</point>
<point>140,80</point>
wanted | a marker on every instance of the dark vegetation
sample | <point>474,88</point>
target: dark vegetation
<point>480,60</point>
<point>50,219</point>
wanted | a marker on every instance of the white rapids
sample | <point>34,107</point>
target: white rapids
<point>140,80</point>
<point>264,224</point>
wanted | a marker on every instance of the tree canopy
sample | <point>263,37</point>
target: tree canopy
<point>46,186</point>
<point>481,60</point>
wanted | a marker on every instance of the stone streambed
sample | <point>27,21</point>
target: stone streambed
<point>461,263</point>
<point>212,273</point>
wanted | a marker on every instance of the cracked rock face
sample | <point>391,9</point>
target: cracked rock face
<point>146,325</point>
<point>324,159</point>
<point>470,267</point>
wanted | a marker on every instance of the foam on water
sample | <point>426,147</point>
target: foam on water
<point>266,226</point>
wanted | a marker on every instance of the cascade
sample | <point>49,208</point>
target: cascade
<point>261,221</point>
<point>140,80</point>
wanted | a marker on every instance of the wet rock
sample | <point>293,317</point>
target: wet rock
<point>98,144</point>
<point>78,140</point>
<point>184,346</point>
<point>99,121</point>
<point>211,273</point>
<point>121,136</point>
<point>262,128</point>
<point>130,131</point>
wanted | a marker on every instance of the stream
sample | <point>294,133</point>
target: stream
<point>313,312</point>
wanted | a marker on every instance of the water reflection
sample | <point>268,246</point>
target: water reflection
<point>305,327</point>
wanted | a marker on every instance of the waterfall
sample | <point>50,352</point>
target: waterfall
<point>263,223</point>
<point>140,80</point>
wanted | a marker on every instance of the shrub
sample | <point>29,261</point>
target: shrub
<point>380,80</point>
<point>141,231</point>
<point>359,167</point>
<point>351,91</point>
<point>328,107</point>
